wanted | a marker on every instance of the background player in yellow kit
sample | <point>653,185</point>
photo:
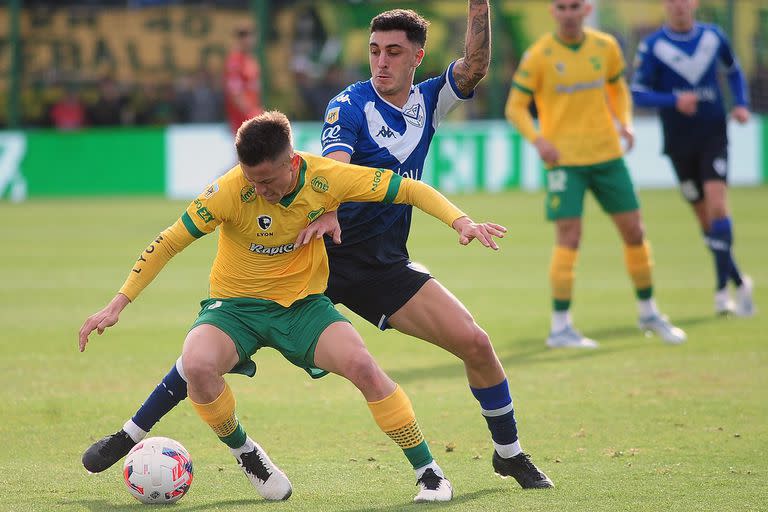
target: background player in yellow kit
<point>266,290</point>
<point>576,78</point>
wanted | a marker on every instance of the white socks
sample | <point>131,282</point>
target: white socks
<point>647,308</point>
<point>560,320</point>
<point>134,431</point>
<point>508,450</point>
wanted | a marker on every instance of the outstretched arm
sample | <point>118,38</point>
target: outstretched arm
<point>107,317</point>
<point>430,201</point>
<point>149,264</point>
<point>473,66</point>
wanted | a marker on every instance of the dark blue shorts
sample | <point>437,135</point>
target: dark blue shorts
<point>707,163</point>
<point>375,291</point>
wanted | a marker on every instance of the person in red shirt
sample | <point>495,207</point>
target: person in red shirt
<point>242,87</point>
<point>69,112</point>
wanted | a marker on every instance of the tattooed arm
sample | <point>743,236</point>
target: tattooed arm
<point>471,68</point>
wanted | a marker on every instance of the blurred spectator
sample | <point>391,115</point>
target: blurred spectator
<point>242,80</point>
<point>199,100</point>
<point>155,104</point>
<point>69,112</point>
<point>110,107</point>
<point>316,95</point>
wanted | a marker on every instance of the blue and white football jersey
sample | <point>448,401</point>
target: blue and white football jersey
<point>668,63</point>
<point>378,134</point>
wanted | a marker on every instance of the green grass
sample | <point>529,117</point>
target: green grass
<point>635,425</point>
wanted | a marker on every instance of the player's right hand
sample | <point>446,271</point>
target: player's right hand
<point>99,322</point>
<point>326,224</point>
<point>482,232</point>
<point>687,103</point>
<point>547,151</point>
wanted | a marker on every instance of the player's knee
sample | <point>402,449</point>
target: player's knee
<point>717,210</point>
<point>476,348</point>
<point>634,234</point>
<point>569,234</point>
<point>362,370</point>
<point>198,369</point>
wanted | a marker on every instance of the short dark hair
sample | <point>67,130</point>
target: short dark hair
<point>410,22</point>
<point>264,137</point>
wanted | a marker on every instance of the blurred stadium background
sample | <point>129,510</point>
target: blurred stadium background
<point>636,425</point>
<point>152,69</point>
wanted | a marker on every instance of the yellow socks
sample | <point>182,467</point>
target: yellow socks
<point>561,276</point>
<point>220,416</point>
<point>394,415</point>
<point>638,261</point>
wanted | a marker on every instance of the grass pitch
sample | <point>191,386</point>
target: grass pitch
<point>636,425</point>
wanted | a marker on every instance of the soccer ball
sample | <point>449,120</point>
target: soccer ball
<point>158,470</point>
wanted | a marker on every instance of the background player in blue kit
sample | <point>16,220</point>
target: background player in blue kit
<point>388,122</point>
<point>677,72</point>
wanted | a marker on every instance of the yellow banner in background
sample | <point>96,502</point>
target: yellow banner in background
<point>150,44</point>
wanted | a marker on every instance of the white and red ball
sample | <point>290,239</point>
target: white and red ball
<point>158,470</point>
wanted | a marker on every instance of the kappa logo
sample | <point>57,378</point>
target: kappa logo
<point>265,221</point>
<point>333,115</point>
<point>414,115</point>
<point>386,132</point>
<point>343,98</point>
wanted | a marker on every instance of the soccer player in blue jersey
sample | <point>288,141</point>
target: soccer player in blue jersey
<point>676,72</point>
<point>389,122</point>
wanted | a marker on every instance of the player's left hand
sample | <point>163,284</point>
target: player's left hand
<point>628,134</point>
<point>326,224</point>
<point>483,232</point>
<point>740,114</point>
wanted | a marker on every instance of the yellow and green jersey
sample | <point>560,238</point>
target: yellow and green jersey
<point>256,254</point>
<point>578,89</point>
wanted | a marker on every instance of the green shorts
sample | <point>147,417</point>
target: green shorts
<point>256,323</point>
<point>609,182</point>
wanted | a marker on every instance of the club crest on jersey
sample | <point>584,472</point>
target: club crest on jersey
<point>333,115</point>
<point>265,221</point>
<point>414,115</point>
<point>247,194</point>
<point>319,184</point>
<point>560,67</point>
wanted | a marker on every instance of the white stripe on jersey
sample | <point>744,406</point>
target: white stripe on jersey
<point>692,67</point>
<point>401,146</point>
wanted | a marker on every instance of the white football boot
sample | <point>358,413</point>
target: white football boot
<point>724,305</point>
<point>569,338</point>
<point>433,487</point>
<point>660,325</point>
<point>270,482</point>
<point>744,304</point>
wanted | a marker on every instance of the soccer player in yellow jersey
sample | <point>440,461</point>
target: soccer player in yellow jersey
<point>576,78</point>
<point>266,290</point>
